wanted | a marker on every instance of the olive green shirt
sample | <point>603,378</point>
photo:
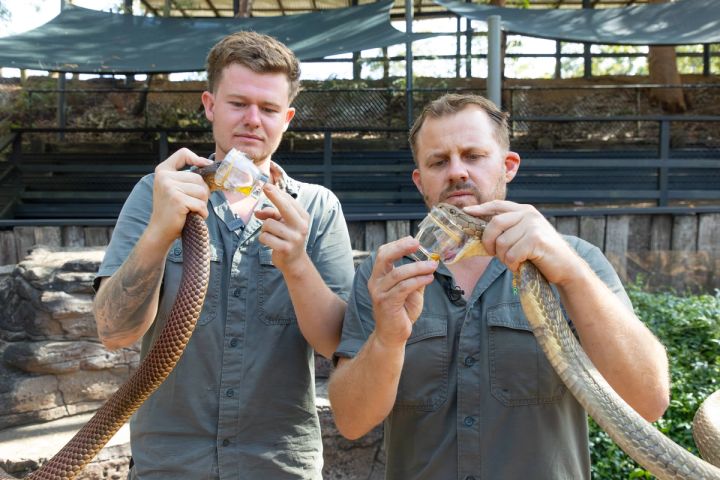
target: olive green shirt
<point>241,401</point>
<point>477,398</point>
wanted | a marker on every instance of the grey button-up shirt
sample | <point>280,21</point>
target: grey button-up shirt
<point>241,402</point>
<point>477,398</point>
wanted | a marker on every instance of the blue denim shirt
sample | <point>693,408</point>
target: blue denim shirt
<point>477,398</point>
<point>241,401</point>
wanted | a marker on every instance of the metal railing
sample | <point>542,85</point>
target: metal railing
<point>375,181</point>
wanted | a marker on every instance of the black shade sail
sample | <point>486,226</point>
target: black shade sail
<point>683,22</point>
<point>89,41</point>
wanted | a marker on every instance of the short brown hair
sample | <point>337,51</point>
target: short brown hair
<point>452,103</point>
<point>256,51</point>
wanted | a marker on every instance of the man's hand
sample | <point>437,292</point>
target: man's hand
<point>397,292</point>
<point>518,233</point>
<point>177,193</point>
<point>285,229</point>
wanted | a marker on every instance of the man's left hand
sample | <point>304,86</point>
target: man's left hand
<point>518,233</point>
<point>284,229</point>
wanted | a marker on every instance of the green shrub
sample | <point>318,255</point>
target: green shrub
<point>689,327</point>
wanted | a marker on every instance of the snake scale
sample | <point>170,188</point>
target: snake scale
<point>636,436</point>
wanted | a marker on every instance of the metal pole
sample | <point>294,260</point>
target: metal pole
<point>558,59</point>
<point>61,105</point>
<point>458,50</point>
<point>706,60</point>
<point>494,76</point>
<point>587,55</point>
<point>409,62</point>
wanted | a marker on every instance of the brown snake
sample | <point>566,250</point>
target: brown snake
<point>155,367</point>
<point>636,436</point>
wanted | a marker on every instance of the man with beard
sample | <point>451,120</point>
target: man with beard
<point>444,354</point>
<point>240,402</point>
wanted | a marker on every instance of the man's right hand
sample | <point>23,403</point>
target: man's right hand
<point>177,193</point>
<point>397,291</point>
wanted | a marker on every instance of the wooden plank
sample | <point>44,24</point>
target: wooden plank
<point>73,236</point>
<point>24,241</point>
<point>48,236</point>
<point>592,229</point>
<point>8,249</point>
<point>639,233</point>
<point>709,232</point>
<point>357,235</point>
<point>96,236</point>
<point>684,233</point>
<point>616,242</point>
<point>374,235</point>
<point>660,233</point>
<point>568,225</point>
<point>395,229</point>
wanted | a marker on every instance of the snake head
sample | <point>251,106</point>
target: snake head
<point>208,175</point>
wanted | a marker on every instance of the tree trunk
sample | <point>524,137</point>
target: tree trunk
<point>662,64</point>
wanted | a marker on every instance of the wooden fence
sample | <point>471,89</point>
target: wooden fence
<point>669,249</point>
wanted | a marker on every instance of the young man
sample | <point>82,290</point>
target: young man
<point>463,387</point>
<point>240,403</point>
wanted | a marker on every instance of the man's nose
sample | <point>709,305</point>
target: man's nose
<point>252,116</point>
<point>457,170</point>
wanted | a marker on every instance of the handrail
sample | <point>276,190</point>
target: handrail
<point>391,89</point>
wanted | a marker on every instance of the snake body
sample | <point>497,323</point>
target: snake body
<point>636,436</point>
<point>155,367</point>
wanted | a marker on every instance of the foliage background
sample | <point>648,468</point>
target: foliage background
<point>689,327</point>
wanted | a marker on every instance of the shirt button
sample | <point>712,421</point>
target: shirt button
<point>469,361</point>
<point>469,421</point>
<point>234,342</point>
<point>230,392</point>
<point>226,442</point>
<point>236,292</point>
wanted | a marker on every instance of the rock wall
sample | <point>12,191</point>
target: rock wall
<point>52,366</point>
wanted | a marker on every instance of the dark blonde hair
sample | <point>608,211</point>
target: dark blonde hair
<point>452,103</point>
<point>256,51</point>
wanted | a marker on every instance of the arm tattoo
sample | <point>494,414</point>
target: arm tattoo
<point>127,296</point>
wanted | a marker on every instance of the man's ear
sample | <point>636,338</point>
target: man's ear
<point>288,116</point>
<point>512,164</point>
<point>208,101</point>
<point>416,180</point>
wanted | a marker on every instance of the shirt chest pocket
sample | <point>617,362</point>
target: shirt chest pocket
<point>520,374</point>
<point>424,379</point>
<point>273,296</point>
<point>173,275</point>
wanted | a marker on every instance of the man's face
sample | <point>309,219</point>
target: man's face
<point>460,162</point>
<point>249,111</point>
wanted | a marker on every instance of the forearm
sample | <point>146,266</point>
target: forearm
<point>318,309</point>
<point>362,390</point>
<point>126,303</point>
<point>622,348</point>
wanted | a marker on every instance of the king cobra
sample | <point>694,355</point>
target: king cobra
<point>155,366</point>
<point>636,436</point>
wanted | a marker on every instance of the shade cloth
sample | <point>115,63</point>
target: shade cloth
<point>682,22</point>
<point>89,41</point>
